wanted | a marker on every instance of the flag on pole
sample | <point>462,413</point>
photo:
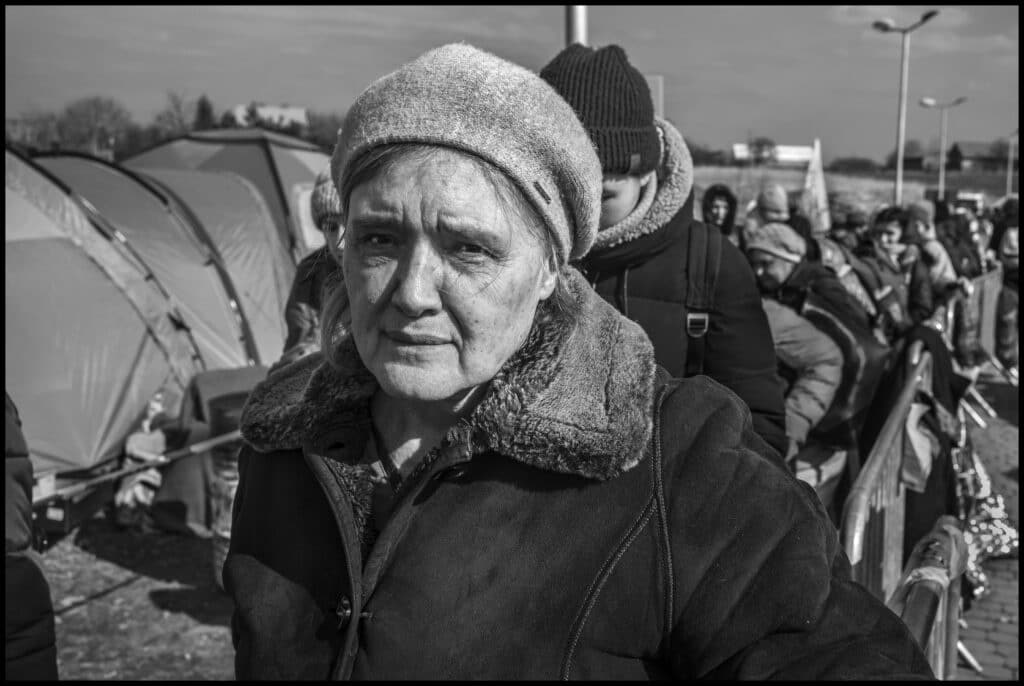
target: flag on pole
<point>814,200</point>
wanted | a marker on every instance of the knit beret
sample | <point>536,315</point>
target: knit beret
<point>324,201</point>
<point>614,103</point>
<point>777,239</point>
<point>460,97</point>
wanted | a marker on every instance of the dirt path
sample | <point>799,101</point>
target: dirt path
<point>134,605</point>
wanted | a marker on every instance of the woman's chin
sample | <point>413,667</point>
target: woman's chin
<point>418,383</point>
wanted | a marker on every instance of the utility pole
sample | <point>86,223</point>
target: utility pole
<point>1009,161</point>
<point>575,24</point>
<point>942,155</point>
<point>901,131</point>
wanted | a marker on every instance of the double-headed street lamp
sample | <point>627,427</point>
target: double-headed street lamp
<point>888,26</point>
<point>942,107</point>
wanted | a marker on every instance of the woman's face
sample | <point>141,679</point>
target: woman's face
<point>719,210</point>
<point>443,283</point>
<point>887,237</point>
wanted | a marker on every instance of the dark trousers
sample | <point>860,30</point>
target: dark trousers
<point>30,642</point>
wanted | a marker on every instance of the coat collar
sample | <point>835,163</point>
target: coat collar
<point>674,183</point>
<point>577,398</point>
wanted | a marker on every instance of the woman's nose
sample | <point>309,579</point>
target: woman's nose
<point>418,288</point>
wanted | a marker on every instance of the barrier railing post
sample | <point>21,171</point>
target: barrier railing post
<point>872,523</point>
<point>927,596</point>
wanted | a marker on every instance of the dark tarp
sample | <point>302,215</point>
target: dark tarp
<point>88,340</point>
<point>234,216</point>
<point>178,259</point>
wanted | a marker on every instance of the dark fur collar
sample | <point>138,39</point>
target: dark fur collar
<point>576,399</point>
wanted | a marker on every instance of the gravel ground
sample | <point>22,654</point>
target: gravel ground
<point>132,605</point>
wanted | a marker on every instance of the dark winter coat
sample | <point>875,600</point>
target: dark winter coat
<point>639,267</point>
<point>814,277</point>
<point>909,279</point>
<point>302,312</point>
<point>591,518</point>
<point>30,643</point>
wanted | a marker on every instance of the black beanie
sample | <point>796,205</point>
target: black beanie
<point>612,99</point>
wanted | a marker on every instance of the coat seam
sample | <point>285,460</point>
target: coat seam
<point>659,490</point>
<point>602,576</point>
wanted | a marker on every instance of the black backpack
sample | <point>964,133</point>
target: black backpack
<point>865,361</point>
<point>703,259</point>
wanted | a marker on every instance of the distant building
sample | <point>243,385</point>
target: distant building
<point>280,115</point>
<point>798,156</point>
<point>972,156</point>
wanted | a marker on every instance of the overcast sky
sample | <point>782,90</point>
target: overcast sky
<point>789,73</point>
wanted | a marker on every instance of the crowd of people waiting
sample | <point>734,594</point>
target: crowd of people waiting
<point>888,278</point>
<point>513,270</point>
<point>807,332</point>
<point>803,327</point>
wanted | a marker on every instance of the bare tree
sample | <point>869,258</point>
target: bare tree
<point>176,118</point>
<point>205,117</point>
<point>35,129</point>
<point>93,123</point>
<point>323,129</point>
<point>762,150</point>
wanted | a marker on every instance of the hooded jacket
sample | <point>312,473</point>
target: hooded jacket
<point>590,518</point>
<point>720,190</point>
<point>638,266</point>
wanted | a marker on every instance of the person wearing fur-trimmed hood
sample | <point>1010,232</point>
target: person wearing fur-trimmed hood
<point>649,245</point>
<point>484,474</point>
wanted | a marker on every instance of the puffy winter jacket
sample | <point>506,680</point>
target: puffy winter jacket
<point>812,362</point>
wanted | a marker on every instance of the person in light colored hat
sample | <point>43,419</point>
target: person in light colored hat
<point>484,474</point>
<point>313,274</point>
<point>811,360</point>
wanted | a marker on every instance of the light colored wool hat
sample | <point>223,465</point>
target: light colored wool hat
<point>922,211</point>
<point>324,201</point>
<point>460,97</point>
<point>773,199</point>
<point>777,239</point>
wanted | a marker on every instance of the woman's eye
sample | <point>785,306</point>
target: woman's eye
<point>377,240</point>
<point>471,249</point>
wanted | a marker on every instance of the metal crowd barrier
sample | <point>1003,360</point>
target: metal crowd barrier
<point>927,597</point>
<point>873,514</point>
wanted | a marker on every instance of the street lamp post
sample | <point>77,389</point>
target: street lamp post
<point>575,24</point>
<point>888,26</point>
<point>1009,160</point>
<point>942,107</point>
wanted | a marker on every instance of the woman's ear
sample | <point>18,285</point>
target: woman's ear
<point>548,276</point>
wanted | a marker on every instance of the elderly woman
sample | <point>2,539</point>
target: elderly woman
<point>483,474</point>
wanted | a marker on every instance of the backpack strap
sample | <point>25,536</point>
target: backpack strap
<point>703,258</point>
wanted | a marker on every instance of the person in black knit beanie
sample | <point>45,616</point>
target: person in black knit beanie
<point>639,262</point>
